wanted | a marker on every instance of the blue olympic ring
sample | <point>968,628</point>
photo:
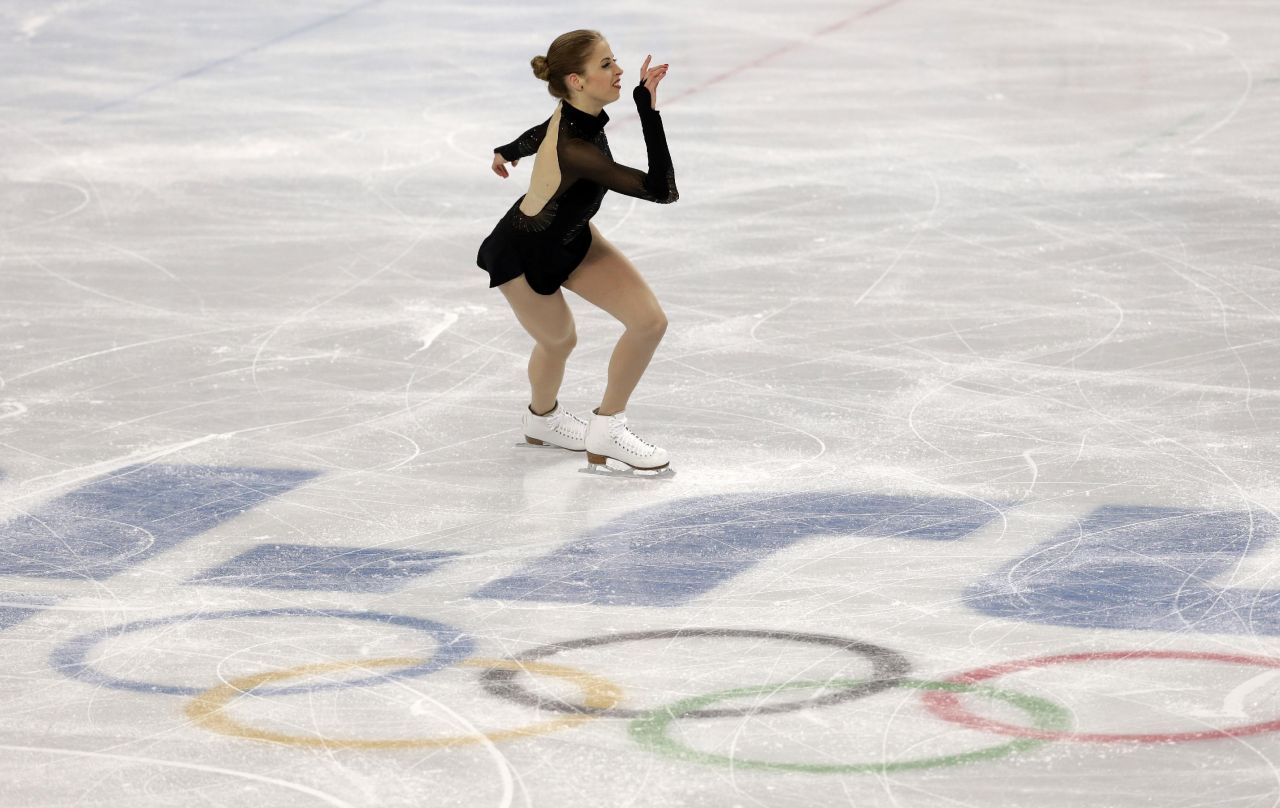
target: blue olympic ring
<point>452,646</point>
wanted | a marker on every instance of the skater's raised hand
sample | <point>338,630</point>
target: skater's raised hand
<point>650,78</point>
<point>499,168</point>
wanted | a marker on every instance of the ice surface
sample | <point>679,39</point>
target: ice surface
<point>972,360</point>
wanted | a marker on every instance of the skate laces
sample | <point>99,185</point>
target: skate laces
<point>554,419</point>
<point>622,434</point>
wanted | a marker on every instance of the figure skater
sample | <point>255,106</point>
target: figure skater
<point>546,240</point>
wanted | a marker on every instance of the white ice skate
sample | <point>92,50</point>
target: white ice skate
<point>557,428</point>
<point>609,438</point>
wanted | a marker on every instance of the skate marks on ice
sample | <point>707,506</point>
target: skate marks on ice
<point>16,607</point>
<point>209,709</point>
<point>637,680</point>
<point>76,657</point>
<point>123,519</point>
<point>761,680</point>
<point>1121,567</point>
<point>129,97</point>
<point>302,567</point>
<point>123,760</point>
<point>888,667</point>
<point>1143,568</point>
<point>439,321</point>
<point>669,554</point>
<point>33,205</point>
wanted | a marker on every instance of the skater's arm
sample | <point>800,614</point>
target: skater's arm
<point>658,184</point>
<point>524,145</point>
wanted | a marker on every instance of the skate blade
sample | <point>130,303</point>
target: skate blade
<point>601,470</point>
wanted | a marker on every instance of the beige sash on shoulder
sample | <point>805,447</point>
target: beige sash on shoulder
<point>545,178</point>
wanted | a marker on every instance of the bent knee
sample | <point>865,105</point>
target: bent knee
<point>652,325</point>
<point>560,345</point>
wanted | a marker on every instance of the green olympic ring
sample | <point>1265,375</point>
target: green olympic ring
<point>650,730</point>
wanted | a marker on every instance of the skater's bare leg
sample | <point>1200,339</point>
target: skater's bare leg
<point>605,278</point>
<point>548,320</point>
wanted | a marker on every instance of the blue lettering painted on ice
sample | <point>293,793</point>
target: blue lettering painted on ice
<point>1129,567</point>
<point>130,515</point>
<point>669,554</point>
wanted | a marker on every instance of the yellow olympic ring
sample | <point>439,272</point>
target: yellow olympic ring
<point>206,708</point>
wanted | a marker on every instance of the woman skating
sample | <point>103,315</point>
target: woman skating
<point>546,240</point>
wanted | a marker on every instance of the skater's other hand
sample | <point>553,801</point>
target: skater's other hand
<point>499,168</point>
<point>650,78</point>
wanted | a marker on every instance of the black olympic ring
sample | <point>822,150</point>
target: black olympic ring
<point>888,669</point>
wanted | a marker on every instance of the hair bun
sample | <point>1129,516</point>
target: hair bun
<point>539,64</point>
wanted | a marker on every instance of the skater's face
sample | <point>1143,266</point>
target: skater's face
<point>600,75</point>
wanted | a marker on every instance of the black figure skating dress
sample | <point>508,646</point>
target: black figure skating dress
<point>544,236</point>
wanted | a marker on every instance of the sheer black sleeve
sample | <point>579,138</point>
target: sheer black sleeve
<point>526,144</point>
<point>584,160</point>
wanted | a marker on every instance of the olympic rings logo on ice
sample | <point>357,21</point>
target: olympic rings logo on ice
<point>652,728</point>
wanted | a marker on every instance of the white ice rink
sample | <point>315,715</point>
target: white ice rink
<point>971,386</point>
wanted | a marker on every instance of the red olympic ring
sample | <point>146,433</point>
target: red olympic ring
<point>946,705</point>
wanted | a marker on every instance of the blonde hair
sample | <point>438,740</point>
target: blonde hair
<point>568,54</point>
